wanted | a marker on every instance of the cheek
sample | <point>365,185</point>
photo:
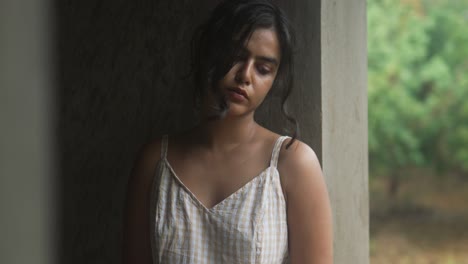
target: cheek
<point>266,85</point>
<point>263,91</point>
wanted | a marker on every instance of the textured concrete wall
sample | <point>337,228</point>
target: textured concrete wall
<point>344,125</point>
<point>120,68</point>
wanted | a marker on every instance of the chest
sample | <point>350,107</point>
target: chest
<point>247,227</point>
<point>211,180</point>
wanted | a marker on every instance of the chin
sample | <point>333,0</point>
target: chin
<point>237,111</point>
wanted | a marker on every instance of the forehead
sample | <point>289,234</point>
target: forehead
<point>264,42</point>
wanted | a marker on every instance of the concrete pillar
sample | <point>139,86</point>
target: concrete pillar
<point>344,124</point>
<point>26,129</point>
<point>330,103</point>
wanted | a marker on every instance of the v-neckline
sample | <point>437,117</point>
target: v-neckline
<point>224,200</point>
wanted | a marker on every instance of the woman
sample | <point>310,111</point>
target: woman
<point>230,190</point>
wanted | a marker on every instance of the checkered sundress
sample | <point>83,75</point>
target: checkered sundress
<point>249,226</point>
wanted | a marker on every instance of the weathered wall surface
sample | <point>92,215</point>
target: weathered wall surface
<point>344,125</point>
<point>120,68</point>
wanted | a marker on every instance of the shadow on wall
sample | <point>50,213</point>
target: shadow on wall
<point>119,66</point>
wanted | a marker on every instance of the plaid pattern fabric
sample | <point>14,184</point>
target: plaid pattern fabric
<point>249,226</point>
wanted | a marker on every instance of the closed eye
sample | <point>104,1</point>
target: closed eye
<point>264,70</point>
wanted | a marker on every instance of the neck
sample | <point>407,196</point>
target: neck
<point>229,132</point>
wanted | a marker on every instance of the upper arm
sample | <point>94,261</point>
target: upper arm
<point>136,238</point>
<point>308,206</point>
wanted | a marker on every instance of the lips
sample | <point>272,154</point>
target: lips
<point>239,91</point>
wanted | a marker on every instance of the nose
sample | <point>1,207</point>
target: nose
<point>243,74</point>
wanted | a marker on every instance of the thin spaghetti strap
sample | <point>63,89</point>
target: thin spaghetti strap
<point>276,151</point>
<point>164,143</point>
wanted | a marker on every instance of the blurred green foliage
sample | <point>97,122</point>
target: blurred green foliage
<point>418,85</point>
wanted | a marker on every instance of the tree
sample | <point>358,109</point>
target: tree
<point>417,57</point>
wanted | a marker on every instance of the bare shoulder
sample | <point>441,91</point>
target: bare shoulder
<point>298,163</point>
<point>144,167</point>
<point>145,162</point>
<point>298,152</point>
<point>149,154</point>
<point>136,247</point>
<point>308,205</point>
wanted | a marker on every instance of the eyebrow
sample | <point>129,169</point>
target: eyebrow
<point>268,59</point>
<point>271,60</point>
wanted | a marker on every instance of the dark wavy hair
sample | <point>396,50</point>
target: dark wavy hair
<point>218,42</point>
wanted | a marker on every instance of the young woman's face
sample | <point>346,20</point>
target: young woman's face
<point>250,79</point>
